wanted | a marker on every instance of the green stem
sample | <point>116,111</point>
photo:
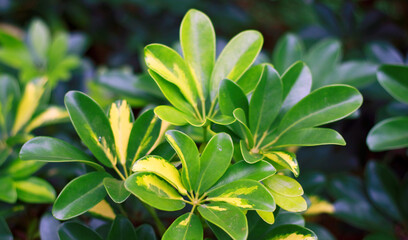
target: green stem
<point>153,213</point>
<point>119,173</point>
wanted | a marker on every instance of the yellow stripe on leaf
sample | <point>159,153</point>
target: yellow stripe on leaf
<point>319,206</point>
<point>233,197</point>
<point>154,184</point>
<point>162,168</point>
<point>285,159</point>
<point>52,114</point>
<point>103,209</point>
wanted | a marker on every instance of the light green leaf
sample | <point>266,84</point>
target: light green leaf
<point>39,38</point>
<point>20,169</point>
<point>187,226</point>
<point>116,189</point>
<point>171,115</point>
<point>288,50</point>
<point>34,190</point>
<point>394,79</point>
<point>284,185</point>
<point>248,155</point>
<point>291,204</point>
<point>389,134</point>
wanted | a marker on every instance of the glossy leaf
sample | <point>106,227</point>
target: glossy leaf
<point>236,58</point>
<point>162,168</point>
<point>197,39</point>
<point>187,151</point>
<point>284,159</point>
<point>393,78</point>
<point>288,50</point>
<point>248,155</point>
<point>231,97</point>
<point>8,192</point>
<point>154,191</point>
<point>242,127</point>
<point>242,170</point>
<point>47,149</point>
<point>291,232</point>
<point>80,195</point>
<point>268,217</point>
<point>171,115</point>
<point>214,161</point>
<point>187,226</point>
<point>291,204</point>
<point>76,231</point>
<point>389,134</point>
<point>121,229</point>
<point>309,137</point>
<point>284,185</point>
<point>92,126</point>
<point>227,217</point>
<point>245,193</point>
<point>35,190</point>
<point>250,78</point>
<point>116,189</point>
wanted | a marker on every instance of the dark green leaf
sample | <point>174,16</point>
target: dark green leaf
<point>309,137</point>
<point>231,97</point>
<point>76,231</point>
<point>250,79</point>
<point>187,226</point>
<point>389,134</point>
<point>116,189</point>
<point>354,73</point>
<point>393,78</point>
<point>5,233</point>
<point>122,229</point>
<point>145,232</point>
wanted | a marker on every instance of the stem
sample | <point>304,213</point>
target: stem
<point>153,213</point>
<point>119,173</point>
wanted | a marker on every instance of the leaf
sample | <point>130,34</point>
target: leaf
<point>227,217</point>
<point>116,189</point>
<point>121,229</point>
<point>144,134</point>
<point>291,232</point>
<point>242,128</point>
<point>120,118</point>
<point>39,38</point>
<point>145,232</point>
<point>154,191</point>
<point>162,168</point>
<point>231,97</point>
<point>393,78</point>
<point>265,102</point>
<point>284,159</point>
<point>214,161</point>
<point>187,226</point>
<point>318,206</point>
<point>309,137</point>
<point>322,59</point>
<point>383,189</point>
<point>47,149</point>
<point>248,155</point>
<point>339,102</point>
<point>35,190</point>
<point>248,81</point>
<point>291,204</point>
<point>284,185</point>
<point>380,236</point>
<point>288,50</point>
<point>8,192</point>
<point>197,39</point>
<point>169,65</point>
<point>355,73</point>
<point>29,102</point>
<point>52,114</point>
<point>297,82</point>
<point>79,195</point>
<point>9,98</point>
<point>244,193</point>
<point>103,210</point>
<point>171,115</point>
<point>242,170</point>
<point>76,231</point>
<point>268,217</point>
<point>92,126</point>
<point>236,58</point>
<point>5,233</point>
<point>384,52</point>
<point>389,134</point>
<point>187,151</point>
<point>49,227</point>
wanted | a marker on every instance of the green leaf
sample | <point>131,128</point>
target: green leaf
<point>187,151</point>
<point>49,227</point>
<point>393,78</point>
<point>249,156</point>
<point>284,159</point>
<point>197,39</point>
<point>144,134</point>
<point>121,229</point>
<point>35,190</point>
<point>309,137</point>
<point>227,217</point>
<point>243,170</point>
<point>288,50</point>
<point>389,134</point>
<point>241,127</point>
<point>236,58</point>
<point>76,231</point>
<point>380,236</point>
<point>244,193</point>
<point>250,78</point>
<point>231,97</point>
<point>9,97</point>
<point>214,161</point>
<point>171,115</point>
<point>170,65</point>
<point>265,102</point>
<point>187,226</point>
<point>8,192</point>
<point>284,185</point>
<point>291,232</point>
<point>291,204</point>
<point>19,169</point>
<point>355,73</point>
<point>39,38</point>
<point>154,191</point>
<point>383,189</point>
<point>340,101</point>
<point>5,233</point>
<point>297,82</point>
<point>322,59</point>
<point>51,115</point>
<point>116,189</point>
<point>80,195</point>
<point>145,232</point>
<point>92,126</point>
<point>47,149</point>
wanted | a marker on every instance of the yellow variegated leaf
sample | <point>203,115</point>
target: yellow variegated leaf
<point>52,114</point>
<point>162,168</point>
<point>29,102</point>
<point>291,232</point>
<point>268,217</point>
<point>285,159</point>
<point>103,209</point>
<point>291,204</point>
<point>294,236</point>
<point>120,121</point>
<point>319,206</point>
<point>155,184</point>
